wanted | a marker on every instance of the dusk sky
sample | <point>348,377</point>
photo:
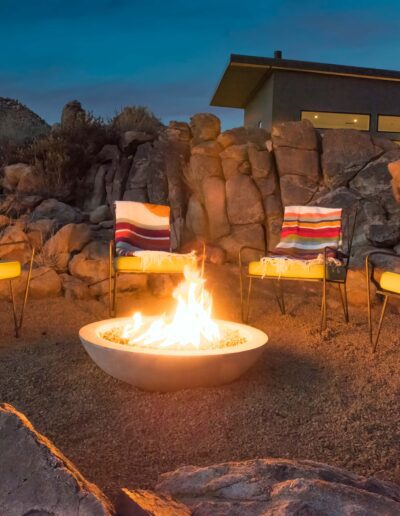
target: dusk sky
<point>170,55</point>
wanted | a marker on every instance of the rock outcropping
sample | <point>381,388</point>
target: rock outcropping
<point>36,478</point>
<point>18,124</point>
<point>279,486</point>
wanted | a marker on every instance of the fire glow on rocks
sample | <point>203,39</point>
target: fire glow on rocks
<point>190,327</point>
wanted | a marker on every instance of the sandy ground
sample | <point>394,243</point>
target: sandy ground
<point>321,398</point>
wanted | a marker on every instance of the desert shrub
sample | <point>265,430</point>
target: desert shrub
<point>63,158</point>
<point>136,118</point>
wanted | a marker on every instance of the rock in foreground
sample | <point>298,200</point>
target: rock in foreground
<point>279,486</point>
<point>35,478</point>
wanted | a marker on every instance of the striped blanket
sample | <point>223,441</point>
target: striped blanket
<point>307,230</point>
<point>141,226</point>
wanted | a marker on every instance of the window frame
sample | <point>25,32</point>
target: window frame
<point>369,115</point>
<point>383,131</point>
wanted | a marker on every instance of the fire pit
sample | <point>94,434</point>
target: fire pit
<point>185,350</point>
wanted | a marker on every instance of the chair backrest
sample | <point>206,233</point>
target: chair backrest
<point>141,226</point>
<point>307,230</point>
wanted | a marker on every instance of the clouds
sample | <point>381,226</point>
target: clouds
<point>170,55</point>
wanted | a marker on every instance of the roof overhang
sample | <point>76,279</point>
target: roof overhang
<point>244,75</point>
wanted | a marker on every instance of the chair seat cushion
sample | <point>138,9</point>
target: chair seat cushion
<point>173,263</point>
<point>390,281</point>
<point>9,269</point>
<point>289,269</point>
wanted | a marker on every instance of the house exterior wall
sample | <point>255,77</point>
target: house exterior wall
<point>294,92</point>
<point>260,108</point>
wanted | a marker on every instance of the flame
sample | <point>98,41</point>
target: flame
<point>191,325</point>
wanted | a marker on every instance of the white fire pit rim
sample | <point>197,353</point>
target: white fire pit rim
<point>255,338</point>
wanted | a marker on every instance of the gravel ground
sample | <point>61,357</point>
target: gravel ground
<point>315,397</point>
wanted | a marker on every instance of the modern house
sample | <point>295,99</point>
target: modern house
<point>272,90</point>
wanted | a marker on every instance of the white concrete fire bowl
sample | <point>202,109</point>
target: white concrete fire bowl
<point>167,369</point>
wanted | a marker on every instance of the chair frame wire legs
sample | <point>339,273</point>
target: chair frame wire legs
<point>369,273</point>
<point>277,282</point>
<point>18,322</point>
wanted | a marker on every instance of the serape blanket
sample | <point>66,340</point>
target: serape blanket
<point>141,226</point>
<point>307,230</point>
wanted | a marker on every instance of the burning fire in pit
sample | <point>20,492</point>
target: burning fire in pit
<point>190,327</point>
<point>183,350</point>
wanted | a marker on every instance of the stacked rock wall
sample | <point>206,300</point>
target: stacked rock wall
<point>234,195</point>
<point>225,188</point>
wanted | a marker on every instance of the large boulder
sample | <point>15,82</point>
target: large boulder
<point>45,282</point>
<point>130,140</point>
<point>100,214</point>
<point>14,174</point>
<point>299,162</point>
<point>69,239</point>
<point>244,202</point>
<point>344,153</point>
<point>298,135</point>
<point>250,235</point>
<point>383,235</point>
<point>179,132</point>
<point>394,170</point>
<point>88,269</point>
<point>196,217</point>
<point>146,503</point>
<point>297,190</point>
<point>262,161</point>
<point>36,478</point>
<point>74,288</point>
<point>15,251</point>
<point>95,187</point>
<point>72,114</point>
<point>279,487</point>
<point>204,126</point>
<point>61,212</point>
<point>232,167</point>
<point>374,179</point>
<point>202,166</point>
<point>207,148</point>
<point>213,190</point>
<point>235,136</point>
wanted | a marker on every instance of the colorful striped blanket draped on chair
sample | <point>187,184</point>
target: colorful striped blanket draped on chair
<point>141,226</point>
<point>307,230</point>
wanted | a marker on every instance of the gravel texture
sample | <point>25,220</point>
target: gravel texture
<point>324,398</point>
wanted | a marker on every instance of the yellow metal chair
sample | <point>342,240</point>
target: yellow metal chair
<point>387,286</point>
<point>172,264</point>
<point>11,270</point>
<point>323,273</point>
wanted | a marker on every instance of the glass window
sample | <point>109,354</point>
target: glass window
<point>389,124</point>
<point>325,120</point>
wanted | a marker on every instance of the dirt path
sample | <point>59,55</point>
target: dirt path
<point>321,398</point>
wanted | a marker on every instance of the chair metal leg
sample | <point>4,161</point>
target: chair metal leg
<point>241,293</point>
<point>343,297</point>
<point>323,306</point>
<point>246,320</point>
<point>16,328</point>
<point>28,281</point>
<point>380,323</point>
<point>114,297</point>
<point>282,298</point>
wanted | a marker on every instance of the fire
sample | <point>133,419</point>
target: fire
<point>191,324</point>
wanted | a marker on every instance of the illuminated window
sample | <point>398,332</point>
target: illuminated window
<point>324,120</point>
<point>389,124</point>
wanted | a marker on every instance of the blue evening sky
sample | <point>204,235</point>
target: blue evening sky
<point>169,55</point>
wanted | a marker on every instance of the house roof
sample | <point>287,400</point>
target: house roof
<point>245,74</point>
